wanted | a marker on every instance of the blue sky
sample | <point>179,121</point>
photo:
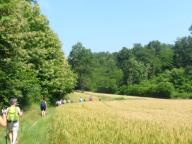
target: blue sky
<point>109,25</point>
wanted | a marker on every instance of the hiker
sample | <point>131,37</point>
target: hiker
<point>3,120</point>
<point>81,100</point>
<point>58,102</point>
<point>90,98</point>
<point>13,113</point>
<point>43,107</point>
<point>64,101</point>
<point>68,101</point>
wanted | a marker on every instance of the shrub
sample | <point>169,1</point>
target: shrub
<point>182,95</point>
<point>162,90</point>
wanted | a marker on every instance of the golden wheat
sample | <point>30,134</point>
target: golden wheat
<point>123,122</point>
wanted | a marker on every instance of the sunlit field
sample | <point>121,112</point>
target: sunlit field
<point>104,97</point>
<point>126,121</point>
<point>123,122</point>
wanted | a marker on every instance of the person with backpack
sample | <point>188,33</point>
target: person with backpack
<point>13,114</point>
<point>43,107</point>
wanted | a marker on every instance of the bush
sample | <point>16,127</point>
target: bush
<point>109,90</point>
<point>161,90</point>
<point>182,95</point>
<point>122,90</point>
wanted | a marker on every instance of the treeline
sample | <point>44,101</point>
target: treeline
<point>32,64</point>
<point>155,70</point>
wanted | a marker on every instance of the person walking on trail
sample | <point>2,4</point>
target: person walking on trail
<point>43,107</point>
<point>3,120</point>
<point>81,100</point>
<point>13,114</point>
<point>90,98</point>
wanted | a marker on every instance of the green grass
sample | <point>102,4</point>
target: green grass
<point>33,128</point>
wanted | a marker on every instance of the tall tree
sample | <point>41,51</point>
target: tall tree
<point>20,81</point>
<point>105,75</point>
<point>123,58</point>
<point>190,29</point>
<point>183,52</point>
<point>47,58</point>
<point>80,59</point>
<point>31,59</point>
<point>156,55</point>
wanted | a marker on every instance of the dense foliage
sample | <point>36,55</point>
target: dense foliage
<point>156,69</point>
<point>96,71</point>
<point>32,64</point>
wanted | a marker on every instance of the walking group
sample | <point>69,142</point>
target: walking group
<point>10,117</point>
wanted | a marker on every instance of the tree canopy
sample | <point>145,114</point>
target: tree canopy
<point>156,69</point>
<point>32,63</point>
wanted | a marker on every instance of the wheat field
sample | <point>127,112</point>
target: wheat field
<point>152,121</point>
<point>113,120</point>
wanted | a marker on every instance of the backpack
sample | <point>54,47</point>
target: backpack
<point>43,104</point>
<point>12,114</point>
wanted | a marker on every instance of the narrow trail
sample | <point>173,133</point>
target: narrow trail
<point>32,122</point>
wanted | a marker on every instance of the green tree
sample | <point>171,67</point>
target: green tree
<point>123,58</point>
<point>156,55</point>
<point>183,52</point>
<point>137,71</point>
<point>31,59</point>
<point>105,75</point>
<point>134,71</point>
<point>20,81</point>
<point>190,29</point>
<point>80,60</point>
